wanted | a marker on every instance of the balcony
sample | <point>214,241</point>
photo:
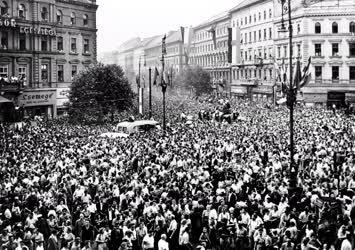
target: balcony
<point>49,85</point>
<point>11,86</point>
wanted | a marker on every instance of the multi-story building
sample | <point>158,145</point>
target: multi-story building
<point>109,57</point>
<point>175,57</point>
<point>212,56</point>
<point>46,43</point>
<point>324,31</point>
<point>126,57</point>
<point>253,48</point>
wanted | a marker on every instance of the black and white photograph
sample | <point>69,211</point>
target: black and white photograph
<point>177,125</point>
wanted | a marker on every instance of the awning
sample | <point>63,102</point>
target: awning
<point>4,100</point>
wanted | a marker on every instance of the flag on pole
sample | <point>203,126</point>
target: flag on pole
<point>306,68</point>
<point>167,77</point>
<point>212,30</point>
<point>277,70</point>
<point>298,75</point>
<point>163,45</point>
<point>138,81</point>
<point>306,80</point>
<point>283,71</point>
<point>182,29</point>
<point>156,74</point>
<point>306,76</point>
<point>186,57</point>
<point>230,45</point>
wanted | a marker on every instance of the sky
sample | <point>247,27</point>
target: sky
<point>121,20</point>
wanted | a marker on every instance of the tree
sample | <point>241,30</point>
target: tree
<point>99,91</point>
<point>197,79</point>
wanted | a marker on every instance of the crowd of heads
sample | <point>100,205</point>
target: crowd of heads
<point>204,185</point>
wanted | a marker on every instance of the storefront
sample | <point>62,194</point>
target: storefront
<point>238,91</point>
<point>41,102</point>
<point>263,93</point>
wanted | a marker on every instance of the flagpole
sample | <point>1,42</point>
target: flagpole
<point>163,83</point>
<point>139,83</point>
<point>150,93</point>
<point>163,86</point>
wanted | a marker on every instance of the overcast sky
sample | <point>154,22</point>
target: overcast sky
<point>120,20</point>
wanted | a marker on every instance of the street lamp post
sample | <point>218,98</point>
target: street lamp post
<point>163,83</point>
<point>291,97</point>
<point>150,93</point>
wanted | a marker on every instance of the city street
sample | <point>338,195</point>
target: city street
<point>177,125</point>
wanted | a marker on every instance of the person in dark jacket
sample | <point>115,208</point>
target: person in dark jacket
<point>53,241</point>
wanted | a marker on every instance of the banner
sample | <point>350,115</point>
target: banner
<point>229,45</point>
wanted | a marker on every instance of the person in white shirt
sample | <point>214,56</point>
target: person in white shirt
<point>346,245</point>
<point>148,242</point>
<point>162,243</point>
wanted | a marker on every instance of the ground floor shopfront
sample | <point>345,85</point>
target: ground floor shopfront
<point>265,93</point>
<point>338,96</point>
<point>38,102</point>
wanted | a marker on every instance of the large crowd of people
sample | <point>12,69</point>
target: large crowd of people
<point>205,184</point>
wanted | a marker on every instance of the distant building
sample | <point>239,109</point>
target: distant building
<point>45,43</point>
<point>253,49</point>
<point>212,57</point>
<point>109,57</point>
<point>174,59</point>
<point>323,30</point>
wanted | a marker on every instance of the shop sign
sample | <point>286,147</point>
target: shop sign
<point>36,31</point>
<point>63,93</point>
<point>7,22</point>
<point>37,98</point>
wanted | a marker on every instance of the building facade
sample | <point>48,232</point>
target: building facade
<point>210,56</point>
<point>253,49</point>
<point>324,31</point>
<point>46,44</point>
<point>174,59</point>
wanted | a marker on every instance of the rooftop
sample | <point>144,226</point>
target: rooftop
<point>244,4</point>
<point>219,17</point>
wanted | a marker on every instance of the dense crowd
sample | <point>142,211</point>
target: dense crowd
<point>201,185</point>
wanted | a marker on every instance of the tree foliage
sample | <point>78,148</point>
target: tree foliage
<point>196,79</point>
<point>99,91</point>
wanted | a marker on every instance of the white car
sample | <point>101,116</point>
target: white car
<point>136,126</point>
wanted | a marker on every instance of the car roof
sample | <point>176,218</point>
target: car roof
<point>144,122</point>
<point>124,124</point>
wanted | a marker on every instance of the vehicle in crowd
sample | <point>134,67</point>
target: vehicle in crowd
<point>141,126</point>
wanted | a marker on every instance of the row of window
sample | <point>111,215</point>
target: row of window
<point>335,49</point>
<point>318,70</point>
<point>207,35</point>
<point>248,20</point>
<point>210,47</point>
<point>22,13</point>
<point>4,72</point>
<point>335,28</point>
<point>46,43</point>
<point>268,73</point>
<point>250,55</point>
<point>256,36</point>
